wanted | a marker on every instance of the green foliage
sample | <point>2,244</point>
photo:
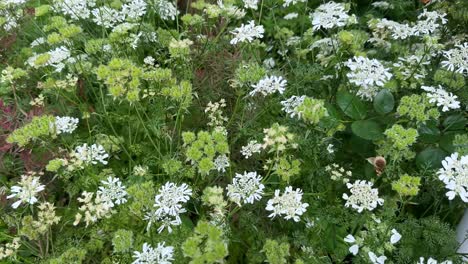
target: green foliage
<point>206,245</point>
<point>275,252</point>
<point>122,240</point>
<point>39,127</point>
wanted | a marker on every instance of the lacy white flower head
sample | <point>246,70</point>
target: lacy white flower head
<point>269,63</point>
<point>433,261</point>
<point>247,33</point>
<point>166,9</point>
<point>133,10</point>
<point>429,22</point>
<point>454,174</point>
<point>112,191</point>
<point>221,163</point>
<point>94,207</point>
<point>292,2</point>
<point>107,17</point>
<point>395,236</point>
<point>252,4</point>
<point>384,5</point>
<point>65,124</point>
<point>375,259</point>
<point>329,15</point>
<point>291,16</point>
<point>171,197</point>
<point>26,190</point>
<point>149,60</point>
<point>447,100</point>
<point>91,154</point>
<point>289,205</point>
<point>354,248</point>
<point>245,188</point>
<point>291,104</point>
<point>76,9</point>
<point>363,196</point>
<point>338,173</point>
<point>456,59</point>
<point>55,58</point>
<point>252,147</point>
<point>149,255</point>
<point>368,74</point>
<point>269,85</point>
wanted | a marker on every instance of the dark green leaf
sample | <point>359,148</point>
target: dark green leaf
<point>367,129</point>
<point>384,102</point>
<point>430,158</point>
<point>351,105</point>
<point>454,122</point>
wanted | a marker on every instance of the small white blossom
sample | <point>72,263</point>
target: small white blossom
<point>166,10</point>
<point>269,85</point>
<point>433,261</point>
<point>330,148</point>
<point>76,9</point>
<point>376,260</point>
<point>113,192</point>
<point>291,16</point>
<point>354,248</point>
<point>395,236</point>
<point>247,33</point>
<point>133,10</point>
<point>382,5</point>
<point>289,205</point>
<point>252,147</point>
<point>91,154</point>
<point>252,4</point>
<point>456,59</point>
<point>65,124</point>
<point>292,2</point>
<point>245,188</point>
<point>26,190</point>
<point>291,104</point>
<point>329,15</point>
<point>149,60</point>
<point>221,163</point>
<point>447,100</point>
<point>363,196</point>
<point>454,174</point>
<point>149,255</point>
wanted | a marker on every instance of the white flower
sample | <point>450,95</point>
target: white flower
<point>221,163</point>
<point>269,85</point>
<point>76,9</point>
<point>247,33</point>
<point>354,249</point>
<point>288,205</point>
<point>246,188</point>
<point>252,4</point>
<point>291,104</point>
<point>134,10</point>
<point>269,63</point>
<point>454,174</point>
<point>149,60</point>
<point>368,74</point>
<point>456,59</point>
<point>428,22</point>
<point>291,16</point>
<point>57,59</point>
<point>26,190</point>
<point>382,5</point>
<point>252,147</point>
<point>330,149</point>
<point>149,255</point>
<point>433,261</point>
<point>362,196</point>
<point>292,2</point>
<point>442,98</point>
<point>166,10</point>
<point>91,154</point>
<point>395,236</point>
<point>65,124</point>
<point>375,259</point>
<point>106,16</point>
<point>113,192</point>
<point>329,15</point>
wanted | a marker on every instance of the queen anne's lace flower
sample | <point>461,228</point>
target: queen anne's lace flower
<point>289,205</point>
<point>252,4</point>
<point>106,17</point>
<point>433,261</point>
<point>454,174</point>
<point>166,10</point>
<point>429,22</point>
<point>363,196</point>
<point>91,154</point>
<point>269,85</point>
<point>329,15</point>
<point>456,59</point>
<point>247,33</point>
<point>134,9</point>
<point>290,105</point>
<point>76,9</point>
<point>65,124</point>
<point>112,191</point>
<point>221,163</point>
<point>442,98</point>
<point>245,188</point>
<point>252,147</point>
<point>368,74</point>
<point>149,255</point>
<point>26,190</point>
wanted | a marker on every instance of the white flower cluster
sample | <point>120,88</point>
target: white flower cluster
<point>94,207</point>
<point>252,147</point>
<point>329,15</point>
<point>168,204</point>
<point>447,100</point>
<point>26,190</point>
<point>57,59</point>
<point>291,104</point>
<point>363,196</point>
<point>133,10</point>
<point>65,124</point>
<point>221,163</point>
<point>112,191</point>
<point>412,66</point>
<point>338,173</point>
<point>166,10</point>
<point>76,9</point>
<point>454,174</point>
<point>289,205</point>
<point>456,59</point>
<point>149,255</point>
<point>354,248</point>
<point>433,261</point>
<point>10,249</point>
<point>215,113</point>
<point>247,33</point>
<point>106,16</point>
<point>429,22</point>
<point>368,74</point>
<point>91,154</point>
<point>382,5</point>
<point>292,2</point>
<point>356,243</point>
<point>269,85</point>
<point>252,4</point>
<point>376,259</point>
<point>245,188</point>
